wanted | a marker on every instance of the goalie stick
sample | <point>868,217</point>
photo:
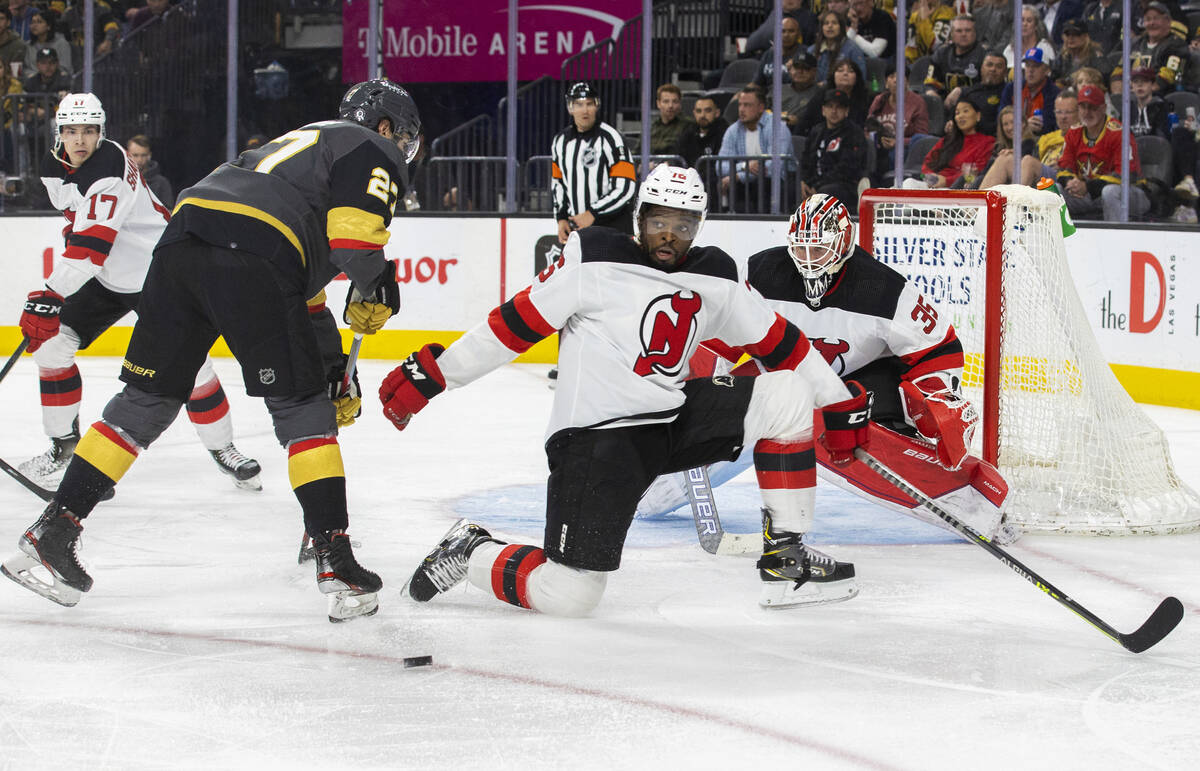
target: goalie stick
<point>1164,618</point>
<point>713,538</point>
<point>306,548</point>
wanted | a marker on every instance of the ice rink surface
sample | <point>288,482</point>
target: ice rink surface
<point>204,645</point>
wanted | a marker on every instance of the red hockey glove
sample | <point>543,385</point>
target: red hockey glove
<point>39,320</point>
<point>942,417</point>
<point>408,388</point>
<point>846,424</point>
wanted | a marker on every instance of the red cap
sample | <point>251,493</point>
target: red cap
<point>1091,94</point>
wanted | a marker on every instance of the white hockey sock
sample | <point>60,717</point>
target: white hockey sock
<point>62,389</point>
<point>787,477</point>
<point>519,574</point>
<point>208,410</point>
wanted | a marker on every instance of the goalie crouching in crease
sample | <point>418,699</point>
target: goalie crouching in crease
<point>874,327</point>
<point>630,314</point>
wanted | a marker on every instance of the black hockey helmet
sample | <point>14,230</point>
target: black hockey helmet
<point>582,90</point>
<point>369,102</point>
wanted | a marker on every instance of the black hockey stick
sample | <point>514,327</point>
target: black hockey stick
<point>13,359</point>
<point>713,538</point>
<point>1164,618</point>
<point>26,482</point>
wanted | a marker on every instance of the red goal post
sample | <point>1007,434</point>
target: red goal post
<point>1078,453</point>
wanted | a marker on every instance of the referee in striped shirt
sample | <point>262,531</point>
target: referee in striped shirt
<point>593,174</point>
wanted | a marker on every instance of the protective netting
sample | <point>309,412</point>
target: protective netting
<point>1079,455</point>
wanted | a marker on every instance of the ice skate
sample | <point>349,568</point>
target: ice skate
<point>794,574</point>
<point>51,543</point>
<point>352,589</point>
<point>46,470</point>
<point>446,566</point>
<point>245,471</point>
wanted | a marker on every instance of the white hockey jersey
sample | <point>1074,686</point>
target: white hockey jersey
<point>113,219</point>
<point>870,312</point>
<point>629,329</point>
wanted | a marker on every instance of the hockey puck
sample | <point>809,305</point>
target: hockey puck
<point>417,661</point>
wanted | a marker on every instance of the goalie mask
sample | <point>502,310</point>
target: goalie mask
<point>369,102</point>
<point>670,209</point>
<point>77,110</point>
<point>820,239</point>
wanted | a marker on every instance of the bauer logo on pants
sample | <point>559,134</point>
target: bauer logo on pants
<point>266,376</point>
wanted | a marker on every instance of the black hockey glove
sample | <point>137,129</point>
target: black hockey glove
<point>346,398</point>
<point>366,315</point>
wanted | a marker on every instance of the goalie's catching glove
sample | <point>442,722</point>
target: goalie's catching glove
<point>346,400</point>
<point>408,388</point>
<point>39,319</point>
<point>367,315</point>
<point>941,416</point>
<point>846,424</point>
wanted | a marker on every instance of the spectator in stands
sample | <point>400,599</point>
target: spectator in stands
<point>1078,51</point>
<point>1149,112</point>
<point>666,128</point>
<point>834,45</point>
<point>957,64</point>
<point>961,156</point>
<point>881,121</point>
<point>49,77</point>
<point>763,37</point>
<point>872,29</point>
<point>152,10</point>
<point>790,46</point>
<point>20,14</point>
<point>846,77</point>
<point>1050,145</point>
<point>753,134</point>
<point>594,179</point>
<point>107,30</point>
<point>9,107</point>
<point>1150,118</point>
<point>138,149</point>
<point>1000,165</point>
<point>702,137</point>
<point>802,71</point>
<point>986,94</point>
<point>42,35</point>
<point>835,153</point>
<point>928,28</point>
<point>12,48</point>
<point>1090,76</point>
<point>1033,35</point>
<point>1160,50</point>
<point>1037,94</point>
<point>1055,15</point>
<point>1090,167</point>
<point>1103,20</point>
<point>993,23</point>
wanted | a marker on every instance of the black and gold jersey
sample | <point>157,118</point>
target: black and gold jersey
<point>317,200</point>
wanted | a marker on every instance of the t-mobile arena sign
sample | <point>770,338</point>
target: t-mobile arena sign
<point>428,41</point>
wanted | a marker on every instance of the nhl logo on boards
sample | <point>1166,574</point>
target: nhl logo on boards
<point>668,329</point>
<point>266,376</point>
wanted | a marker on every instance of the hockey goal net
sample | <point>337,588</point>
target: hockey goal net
<point>1079,455</point>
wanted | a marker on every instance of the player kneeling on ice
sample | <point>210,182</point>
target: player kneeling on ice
<point>630,314</point>
<point>113,222</point>
<point>874,327</point>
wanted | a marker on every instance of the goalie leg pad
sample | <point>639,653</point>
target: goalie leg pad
<point>521,575</point>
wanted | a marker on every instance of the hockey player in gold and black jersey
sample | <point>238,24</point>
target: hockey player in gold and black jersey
<point>245,247</point>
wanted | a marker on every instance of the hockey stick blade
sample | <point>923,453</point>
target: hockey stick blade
<point>1164,619</point>
<point>38,490</point>
<point>713,538</point>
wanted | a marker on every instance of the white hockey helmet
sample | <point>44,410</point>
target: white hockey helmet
<point>674,187</point>
<point>77,110</point>
<point>820,239</point>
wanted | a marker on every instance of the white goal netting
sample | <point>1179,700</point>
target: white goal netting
<point>1079,455</point>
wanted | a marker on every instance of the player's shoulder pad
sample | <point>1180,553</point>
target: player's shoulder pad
<point>710,261</point>
<point>108,161</point>
<point>601,244</point>
<point>357,145</point>
<point>866,286</point>
<point>773,273</point>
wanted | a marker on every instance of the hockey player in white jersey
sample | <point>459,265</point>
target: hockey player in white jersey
<point>630,314</point>
<point>113,223</point>
<point>875,327</point>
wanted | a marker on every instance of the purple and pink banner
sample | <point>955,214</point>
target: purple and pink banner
<point>430,41</point>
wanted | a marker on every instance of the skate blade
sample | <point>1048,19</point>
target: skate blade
<point>779,595</point>
<point>254,483</point>
<point>308,552</point>
<point>20,569</point>
<point>346,606</point>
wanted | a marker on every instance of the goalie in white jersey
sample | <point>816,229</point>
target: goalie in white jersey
<point>113,223</point>
<point>630,315</point>
<point>875,327</point>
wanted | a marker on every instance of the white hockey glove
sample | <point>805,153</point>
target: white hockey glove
<point>941,416</point>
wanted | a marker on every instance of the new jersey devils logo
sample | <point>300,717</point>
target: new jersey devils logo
<point>669,327</point>
<point>832,351</point>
